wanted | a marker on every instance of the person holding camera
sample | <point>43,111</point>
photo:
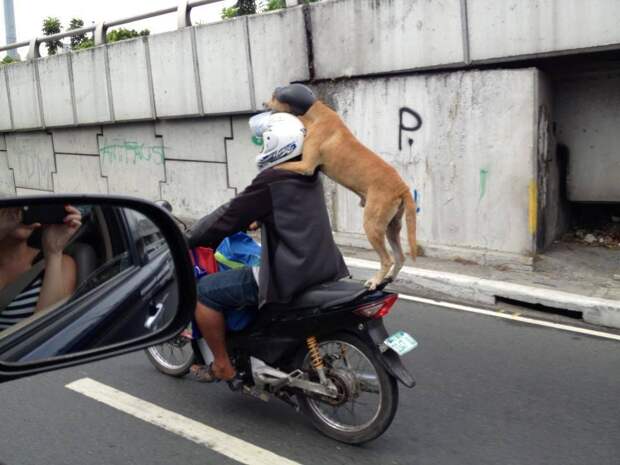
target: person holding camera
<point>56,279</point>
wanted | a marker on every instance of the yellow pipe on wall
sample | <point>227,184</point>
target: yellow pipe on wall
<point>533,213</point>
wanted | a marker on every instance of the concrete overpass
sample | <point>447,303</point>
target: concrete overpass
<point>462,96</point>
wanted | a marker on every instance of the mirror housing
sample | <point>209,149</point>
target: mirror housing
<point>182,273</point>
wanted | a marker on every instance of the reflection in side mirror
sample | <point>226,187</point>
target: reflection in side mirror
<point>76,278</point>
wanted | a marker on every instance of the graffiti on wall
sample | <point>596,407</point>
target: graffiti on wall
<point>32,171</point>
<point>408,121</point>
<point>484,174</point>
<point>132,153</point>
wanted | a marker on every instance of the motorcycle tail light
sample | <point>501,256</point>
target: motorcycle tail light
<point>376,310</point>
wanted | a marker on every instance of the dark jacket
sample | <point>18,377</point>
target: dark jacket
<point>298,249</point>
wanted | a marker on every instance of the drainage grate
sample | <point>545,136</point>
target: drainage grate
<point>542,308</point>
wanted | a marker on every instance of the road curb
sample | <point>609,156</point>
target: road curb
<point>463,287</point>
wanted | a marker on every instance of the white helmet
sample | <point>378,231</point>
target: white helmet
<point>282,137</point>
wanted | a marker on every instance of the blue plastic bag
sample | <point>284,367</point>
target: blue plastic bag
<point>238,251</point>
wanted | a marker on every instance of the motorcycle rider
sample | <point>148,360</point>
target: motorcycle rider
<point>298,249</point>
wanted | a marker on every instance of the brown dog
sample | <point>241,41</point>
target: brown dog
<point>331,146</point>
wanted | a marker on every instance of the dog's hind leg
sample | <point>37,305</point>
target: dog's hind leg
<point>393,237</point>
<point>376,219</point>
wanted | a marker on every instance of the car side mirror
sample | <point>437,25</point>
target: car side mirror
<point>84,278</point>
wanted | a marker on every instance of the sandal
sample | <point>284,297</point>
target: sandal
<point>202,373</point>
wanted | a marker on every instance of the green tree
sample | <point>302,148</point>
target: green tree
<point>275,5</point>
<point>123,34</point>
<point>114,35</point>
<point>7,60</point>
<point>272,5</point>
<point>230,12</point>
<point>86,43</point>
<point>51,25</point>
<point>76,40</point>
<point>242,7</point>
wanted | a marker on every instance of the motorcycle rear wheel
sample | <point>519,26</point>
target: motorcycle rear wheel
<point>174,357</point>
<point>370,377</point>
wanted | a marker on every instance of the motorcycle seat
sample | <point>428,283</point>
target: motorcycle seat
<point>324,295</point>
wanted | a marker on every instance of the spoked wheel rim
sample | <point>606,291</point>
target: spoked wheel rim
<point>173,354</point>
<point>360,399</point>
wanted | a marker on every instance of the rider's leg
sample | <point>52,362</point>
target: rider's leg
<point>219,293</point>
<point>212,326</point>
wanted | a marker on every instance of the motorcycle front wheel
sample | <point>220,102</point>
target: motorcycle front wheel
<point>367,394</point>
<point>174,357</point>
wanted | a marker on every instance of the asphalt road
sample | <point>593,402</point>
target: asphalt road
<point>489,391</point>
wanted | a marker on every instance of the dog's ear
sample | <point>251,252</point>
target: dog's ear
<point>298,97</point>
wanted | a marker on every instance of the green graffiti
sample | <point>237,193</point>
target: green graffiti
<point>484,173</point>
<point>132,153</point>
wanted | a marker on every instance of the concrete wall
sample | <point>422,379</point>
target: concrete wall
<point>91,85</point>
<point>56,91</point>
<point>223,52</point>
<point>469,156</point>
<point>233,66</point>
<point>222,68</point>
<point>171,56</point>
<point>31,159</point>
<point>475,147</point>
<point>6,121</point>
<point>22,88</point>
<point>278,49</point>
<point>196,164</point>
<point>465,142</point>
<point>397,35</point>
<point>587,111</point>
<point>502,29</point>
<point>379,37</point>
<point>7,183</point>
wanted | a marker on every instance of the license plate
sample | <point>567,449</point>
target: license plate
<point>401,342</point>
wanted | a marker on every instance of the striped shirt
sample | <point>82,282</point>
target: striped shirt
<point>23,305</point>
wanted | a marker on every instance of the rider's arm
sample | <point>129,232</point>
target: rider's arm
<point>253,204</point>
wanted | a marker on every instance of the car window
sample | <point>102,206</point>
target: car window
<point>97,246</point>
<point>111,248</point>
<point>147,237</point>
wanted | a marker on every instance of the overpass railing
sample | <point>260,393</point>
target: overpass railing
<point>183,10</point>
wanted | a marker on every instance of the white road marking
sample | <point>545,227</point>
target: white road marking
<point>216,440</point>
<point>508,316</point>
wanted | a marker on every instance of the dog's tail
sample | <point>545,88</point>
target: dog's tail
<point>410,218</point>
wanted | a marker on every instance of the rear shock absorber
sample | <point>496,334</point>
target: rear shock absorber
<point>316,359</point>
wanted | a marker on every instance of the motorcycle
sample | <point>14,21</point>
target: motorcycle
<point>326,353</point>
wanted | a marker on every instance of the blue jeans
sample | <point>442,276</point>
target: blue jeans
<point>233,293</point>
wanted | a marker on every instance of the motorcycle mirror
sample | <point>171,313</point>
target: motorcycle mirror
<point>84,278</point>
